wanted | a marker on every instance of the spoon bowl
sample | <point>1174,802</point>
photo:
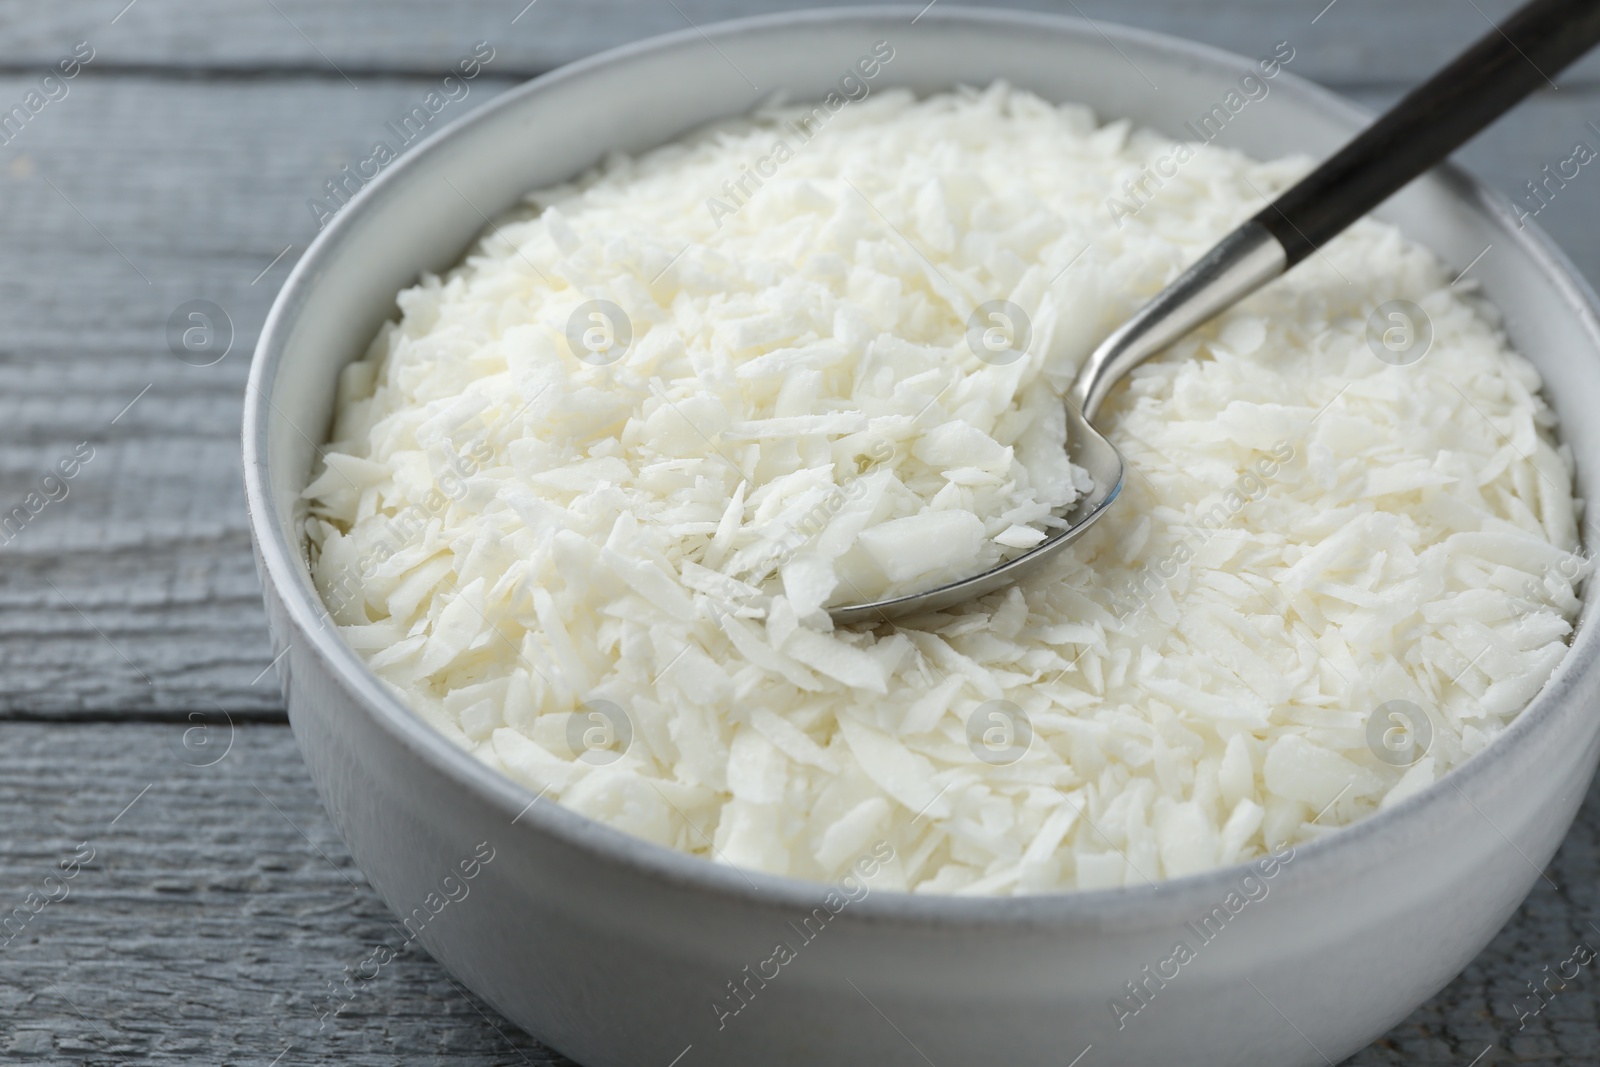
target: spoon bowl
<point>1088,448</point>
<point>1241,263</point>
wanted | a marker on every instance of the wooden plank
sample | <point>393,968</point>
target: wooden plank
<point>1345,42</point>
<point>136,594</point>
<point>217,908</point>
<point>220,905</point>
<point>137,591</point>
<point>208,926</point>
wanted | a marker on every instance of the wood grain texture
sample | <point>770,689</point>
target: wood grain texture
<point>218,908</point>
<point>137,592</point>
<point>1346,42</point>
<point>220,905</point>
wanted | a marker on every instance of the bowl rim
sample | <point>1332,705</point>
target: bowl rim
<point>1153,901</point>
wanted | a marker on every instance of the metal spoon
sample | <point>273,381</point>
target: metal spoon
<point>1538,40</point>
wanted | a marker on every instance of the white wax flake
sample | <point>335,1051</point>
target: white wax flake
<point>1019,536</point>
<point>932,542</point>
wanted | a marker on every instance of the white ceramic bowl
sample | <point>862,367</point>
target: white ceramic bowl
<point>614,950</point>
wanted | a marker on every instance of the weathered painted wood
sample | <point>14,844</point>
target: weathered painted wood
<point>137,593</point>
<point>220,905</point>
<point>217,909</point>
<point>1347,41</point>
<point>208,926</point>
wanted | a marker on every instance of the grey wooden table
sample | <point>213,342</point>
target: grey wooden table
<point>143,744</point>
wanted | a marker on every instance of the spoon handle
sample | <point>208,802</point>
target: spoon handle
<point>1535,43</point>
<point>1506,64</point>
